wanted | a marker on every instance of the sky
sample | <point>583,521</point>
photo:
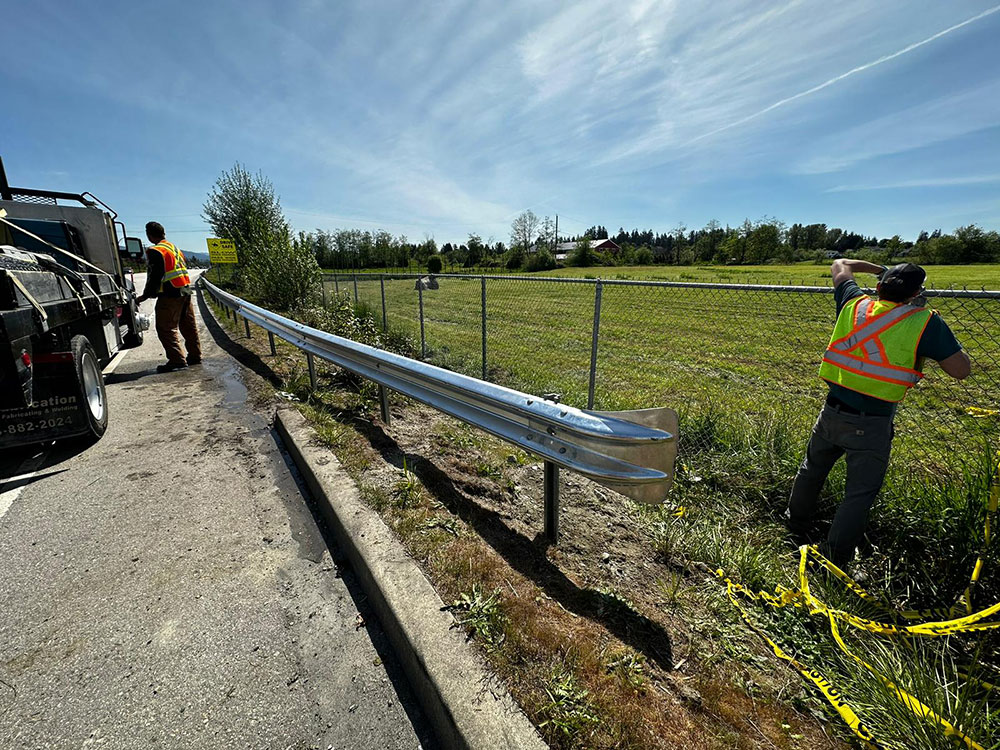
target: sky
<point>441,119</point>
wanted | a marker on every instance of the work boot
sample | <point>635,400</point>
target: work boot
<point>171,366</point>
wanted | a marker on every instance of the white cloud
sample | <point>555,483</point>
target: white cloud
<point>921,183</point>
<point>925,124</point>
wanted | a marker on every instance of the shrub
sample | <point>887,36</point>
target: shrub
<point>514,259</point>
<point>434,264</point>
<point>281,275</point>
<point>540,261</point>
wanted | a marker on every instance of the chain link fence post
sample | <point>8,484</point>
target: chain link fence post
<point>482,280</point>
<point>420,301</point>
<point>593,343</point>
<point>322,289</point>
<point>355,287</point>
<point>336,285</point>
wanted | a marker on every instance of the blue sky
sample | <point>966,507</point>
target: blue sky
<point>439,119</point>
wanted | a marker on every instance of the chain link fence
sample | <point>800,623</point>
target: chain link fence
<point>720,354</point>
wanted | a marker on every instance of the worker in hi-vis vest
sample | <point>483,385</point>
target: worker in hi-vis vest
<point>168,280</point>
<point>874,357</point>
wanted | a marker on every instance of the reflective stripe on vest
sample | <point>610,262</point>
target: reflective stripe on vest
<point>174,267</point>
<point>875,355</point>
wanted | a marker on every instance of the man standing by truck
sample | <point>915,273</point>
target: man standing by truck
<point>874,357</point>
<point>168,280</point>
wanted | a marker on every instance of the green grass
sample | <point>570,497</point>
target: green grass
<point>803,274</point>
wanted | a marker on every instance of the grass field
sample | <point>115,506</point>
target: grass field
<point>807,274</point>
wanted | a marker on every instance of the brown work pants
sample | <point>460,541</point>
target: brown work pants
<point>173,314</point>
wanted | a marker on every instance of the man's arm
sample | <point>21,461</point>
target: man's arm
<point>843,269</point>
<point>154,275</point>
<point>958,365</point>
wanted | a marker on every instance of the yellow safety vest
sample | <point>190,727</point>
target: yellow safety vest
<point>873,349</point>
<point>175,269</point>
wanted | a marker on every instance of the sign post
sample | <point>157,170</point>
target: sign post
<point>221,251</point>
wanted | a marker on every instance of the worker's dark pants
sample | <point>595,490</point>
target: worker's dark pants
<point>867,441</point>
<point>173,314</point>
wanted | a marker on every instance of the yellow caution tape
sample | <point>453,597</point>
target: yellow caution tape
<point>948,621</point>
<point>835,698</point>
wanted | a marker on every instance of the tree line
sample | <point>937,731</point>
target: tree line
<point>243,207</point>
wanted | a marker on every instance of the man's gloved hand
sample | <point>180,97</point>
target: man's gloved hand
<point>140,299</point>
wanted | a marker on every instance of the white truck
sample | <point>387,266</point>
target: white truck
<point>67,306</point>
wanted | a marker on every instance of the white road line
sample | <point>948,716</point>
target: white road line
<point>115,361</point>
<point>28,468</point>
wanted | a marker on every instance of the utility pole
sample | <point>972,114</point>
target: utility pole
<point>555,247</point>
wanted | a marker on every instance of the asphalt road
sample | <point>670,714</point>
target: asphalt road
<point>168,586</point>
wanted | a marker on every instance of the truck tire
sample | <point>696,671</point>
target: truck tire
<point>93,399</point>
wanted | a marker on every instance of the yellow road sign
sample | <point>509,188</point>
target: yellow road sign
<point>221,251</point>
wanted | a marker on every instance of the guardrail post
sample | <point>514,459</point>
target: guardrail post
<point>593,344</point>
<point>420,300</point>
<point>482,280</point>
<point>551,502</point>
<point>312,370</point>
<point>270,338</point>
<point>385,318</point>
<point>355,288</point>
<point>383,400</point>
<point>246,325</point>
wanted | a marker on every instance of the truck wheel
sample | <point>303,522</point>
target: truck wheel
<point>93,399</point>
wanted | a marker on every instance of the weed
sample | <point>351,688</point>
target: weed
<point>482,616</point>
<point>445,524</point>
<point>568,710</point>
<point>629,666</point>
<point>409,491</point>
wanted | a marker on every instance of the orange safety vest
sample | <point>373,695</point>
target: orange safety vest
<point>174,267</point>
<point>873,349</point>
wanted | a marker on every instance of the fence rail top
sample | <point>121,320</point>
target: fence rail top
<point>781,288</point>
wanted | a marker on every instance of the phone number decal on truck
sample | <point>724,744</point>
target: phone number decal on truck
<point>54,413</point>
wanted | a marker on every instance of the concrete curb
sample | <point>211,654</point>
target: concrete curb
<point>464,702</point>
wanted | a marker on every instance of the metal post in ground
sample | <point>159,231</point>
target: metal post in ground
<point>270,339</point>
<point>312,370</point>
<point>482,280</point>
<point>355,288</point>
<point>336,285</point>
<point>322,289</point>
<point>551,480</point>
<point>420,300</point>
<point>383,400</point>
<point>385,319</point>
<point>593,344</point>
<point>246,325</point>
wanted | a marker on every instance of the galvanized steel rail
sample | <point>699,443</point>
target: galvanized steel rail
<point>630,452</point>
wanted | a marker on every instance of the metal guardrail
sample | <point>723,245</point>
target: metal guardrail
<point>630,452</point>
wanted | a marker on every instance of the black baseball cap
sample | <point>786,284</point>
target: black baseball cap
<point>901,282</point>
